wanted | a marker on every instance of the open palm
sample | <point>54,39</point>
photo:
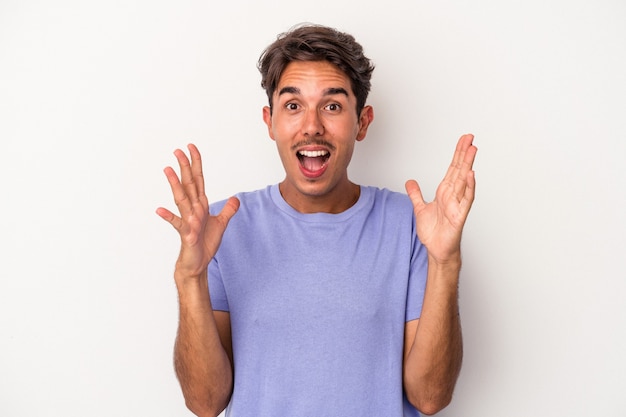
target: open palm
<point>200,232</point>
<point>440,223</point>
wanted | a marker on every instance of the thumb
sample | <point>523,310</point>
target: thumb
<point>415,194</point>
<point>229,210</point>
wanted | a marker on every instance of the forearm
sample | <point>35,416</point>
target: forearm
<point>434,359</point>
<point>201,362</point>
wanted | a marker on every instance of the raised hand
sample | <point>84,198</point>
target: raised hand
<point>200,233</point>
<point>440,222</point>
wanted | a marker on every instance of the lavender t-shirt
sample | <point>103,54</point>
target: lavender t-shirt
<point>318,304</point>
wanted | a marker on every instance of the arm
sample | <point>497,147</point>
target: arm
<point>202,352</point>
<point>433,344</point>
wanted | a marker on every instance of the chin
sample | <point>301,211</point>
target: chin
<point>309,187</point>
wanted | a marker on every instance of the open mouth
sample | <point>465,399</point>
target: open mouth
<point>313,161</point>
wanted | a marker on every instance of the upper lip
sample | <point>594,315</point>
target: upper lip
<point>313,145</point>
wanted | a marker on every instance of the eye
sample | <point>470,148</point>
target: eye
<point>291,106</point>
<point>333,107</point>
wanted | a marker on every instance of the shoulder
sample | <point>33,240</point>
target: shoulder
<point>250,200</point>
<point>389,201</point>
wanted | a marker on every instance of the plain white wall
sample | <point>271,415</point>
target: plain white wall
<point>94,97</point>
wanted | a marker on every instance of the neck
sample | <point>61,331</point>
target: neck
<point>335,202</point>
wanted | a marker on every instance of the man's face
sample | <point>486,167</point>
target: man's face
<point>315,126</point>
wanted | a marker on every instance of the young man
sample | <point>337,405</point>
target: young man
<point>320,297</point>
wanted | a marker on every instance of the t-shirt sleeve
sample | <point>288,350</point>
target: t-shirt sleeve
<point>417,278</point>
<point>217,292</point>
<point>219,301</point>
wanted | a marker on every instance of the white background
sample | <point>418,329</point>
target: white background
<point>94,97</point>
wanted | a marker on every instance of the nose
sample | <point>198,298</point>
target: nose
<point>312,124</point>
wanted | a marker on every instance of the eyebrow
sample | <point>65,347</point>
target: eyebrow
<point>328,92</point>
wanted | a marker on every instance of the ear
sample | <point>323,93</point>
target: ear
<point>267,118</point>
<point>365,119</point>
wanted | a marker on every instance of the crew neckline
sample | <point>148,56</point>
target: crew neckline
<point>364,198</point>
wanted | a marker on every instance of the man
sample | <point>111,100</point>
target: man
<point>320,297</point>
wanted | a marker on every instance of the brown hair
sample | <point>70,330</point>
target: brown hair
<point>317,43</point>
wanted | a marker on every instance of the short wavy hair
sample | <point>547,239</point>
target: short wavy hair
<point>311,42</point>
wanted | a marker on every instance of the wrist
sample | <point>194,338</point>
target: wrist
<point>443,275</point>
<point>185,277</point>
<point>193,291</point>
<point>450,261</point>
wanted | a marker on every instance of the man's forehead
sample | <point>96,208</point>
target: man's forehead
<point>331,91</point>
<point>320,75</point>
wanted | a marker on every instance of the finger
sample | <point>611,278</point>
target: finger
<point>169,217</point>
<point>415,194</point>
<point>186,176</point>
<point>196,172</point>
<point>468,152</point>
<point>461,147</point>
<point>180,195</point>
<point>463,144</point>
<point>465,168</point>
<point>470,192</point>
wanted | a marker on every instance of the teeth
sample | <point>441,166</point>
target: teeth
<point>313,154</point>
